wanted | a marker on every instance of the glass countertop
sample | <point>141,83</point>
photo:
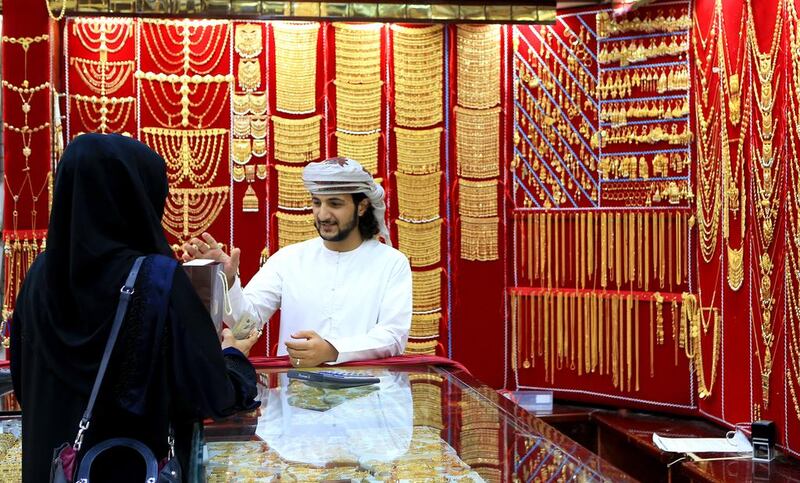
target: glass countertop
<point>419,424</point>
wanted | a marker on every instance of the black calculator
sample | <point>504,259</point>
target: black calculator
<point>332,379</point>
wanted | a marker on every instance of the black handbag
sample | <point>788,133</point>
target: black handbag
<point>65,457</point>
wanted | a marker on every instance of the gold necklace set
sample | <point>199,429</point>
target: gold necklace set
<point>294,228</point>
<point>20,248</point>
<point>619,113</point>
<point>103,36</point>
<point>191,211</point>
<point>477,199</point>
<point>296,66</point>
<point>292,194</point>
<point>183,46</point>
<point>478,142</point>
<point>479,238</point>
<point>767,170</point>
<point>248,43</point>
<point>673,22</point>
<point>358,106</point>
<point>361,147</point>
<point>792,261</point>
<point>421,348</point>
<point>427,290</point>
<point>297,140</point>
<point>477,139</point>
<point>189,54</point>
<point>478,58</point>
<point>628,52</point>
<point>646,134</point>
<point>629,166</point>
<point>418,150</point>
<point>418,75</point>
<point>359,90</point>
<point>658,80</point>
<point>250,128</point>
<point>425,326</point>
<point>421,242</point>
<point>192,156</point>
<point>418,196</point>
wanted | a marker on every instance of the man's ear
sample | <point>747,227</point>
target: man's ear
<point>362,206</point>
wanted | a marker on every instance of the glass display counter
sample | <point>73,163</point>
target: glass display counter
<point>419,424</point>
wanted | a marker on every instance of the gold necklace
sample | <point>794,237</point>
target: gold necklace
<point>421,242</point>
<point>295,66</point>
<point>190,155</point>
<point>248,40</point>
<point>191,211</point>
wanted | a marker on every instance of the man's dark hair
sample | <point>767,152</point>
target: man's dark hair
<point>367,223</point>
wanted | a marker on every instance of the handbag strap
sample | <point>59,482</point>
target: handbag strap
<point>126,292</point>
<point>151,465</point>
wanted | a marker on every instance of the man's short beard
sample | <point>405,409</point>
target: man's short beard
<point>344,231</point>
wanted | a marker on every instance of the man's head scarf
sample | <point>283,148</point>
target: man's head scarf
<point>337,176</point>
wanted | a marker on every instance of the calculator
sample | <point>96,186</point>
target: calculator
<point>332,379</point>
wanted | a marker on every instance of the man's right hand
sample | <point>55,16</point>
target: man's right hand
<point>208,248</point>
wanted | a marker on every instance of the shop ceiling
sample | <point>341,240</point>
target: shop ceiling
<point>478,11</point>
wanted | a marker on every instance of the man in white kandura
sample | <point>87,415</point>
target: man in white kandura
<point>343,296</point>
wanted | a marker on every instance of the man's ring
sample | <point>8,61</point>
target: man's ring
<point>297,362</point>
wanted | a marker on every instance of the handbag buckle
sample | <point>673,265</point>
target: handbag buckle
<point>82,427</point>
<point>126,290</point>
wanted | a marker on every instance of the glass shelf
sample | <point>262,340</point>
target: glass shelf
<point>419,424</point>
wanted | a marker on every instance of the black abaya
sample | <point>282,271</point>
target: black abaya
<point>167,366</point>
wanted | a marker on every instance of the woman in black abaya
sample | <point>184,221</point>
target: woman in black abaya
<point>167,366</point>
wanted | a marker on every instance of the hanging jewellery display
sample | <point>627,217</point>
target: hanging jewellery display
<point>185,46</point>
<point>358,52</point>
<point>418,75</point>
<point>478,142</point>
<point>427,290</point>
<point>733,168</point>
<point>792,260</point>
<point>361,147</point>
<point>249,74</point>
<point>102,35</point>
<point>418,196</point>
<point>709,193</point>
<point>248,40</point>
<point>191,155</point>
<point>358,106</point>
<point>294,228</point>
<point>104,114</point>
<point>250,200</point>
<point>421,348</point>
<point>425,326</point>
<point>477,198</point>
<point>296,66</point>
<point>478,58</point>
<point>190,211</point>
<point>768,170</point>
<point>104,78</point>
<point>421,242</point>
<point>297,140</point>
<point>292,194</point>
<point>160,92</point>
<point>418,150</point>
<point>479,238</point>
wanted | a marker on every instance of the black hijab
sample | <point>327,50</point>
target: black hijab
<point>108,201</point>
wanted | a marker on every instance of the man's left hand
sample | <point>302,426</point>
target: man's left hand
<point>310,350</point>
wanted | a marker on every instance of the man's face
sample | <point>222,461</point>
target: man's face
<point>335,216</point>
